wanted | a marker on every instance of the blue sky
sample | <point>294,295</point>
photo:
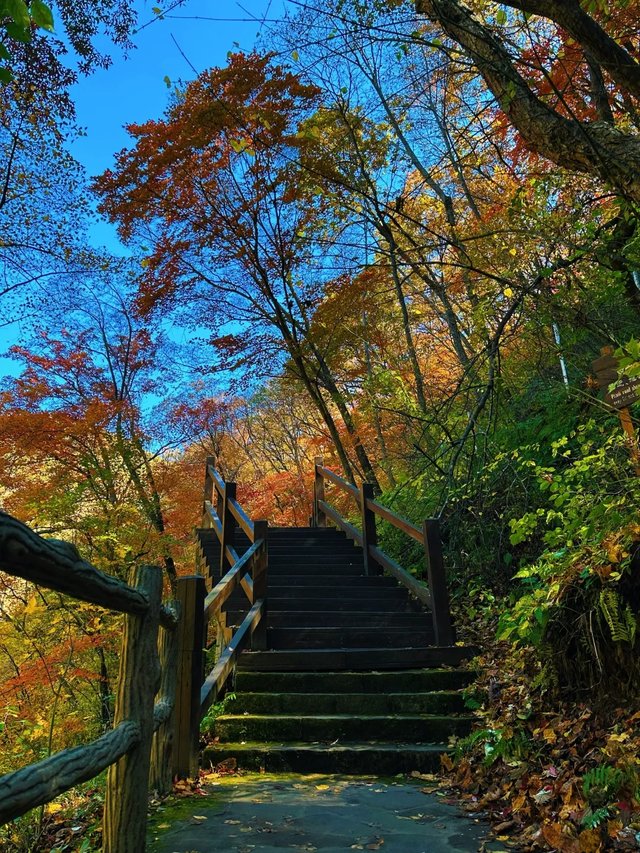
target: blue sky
<point>133,89</point>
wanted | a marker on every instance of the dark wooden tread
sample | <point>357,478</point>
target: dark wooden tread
<point>351,758</point>
<point>315,660</point>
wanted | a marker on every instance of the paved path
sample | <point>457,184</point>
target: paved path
<point>318,814</point>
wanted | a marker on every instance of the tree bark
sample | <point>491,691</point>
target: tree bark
<point>595,148</point>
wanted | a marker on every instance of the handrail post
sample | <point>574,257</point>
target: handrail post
<point>228,524</point>
<point>369,532</point>
<point>260,569</point>
<point>127,794</point>
<point>191,592</point>
<point>437,578</point>
<point>207,492</point>
<point>319,518</point>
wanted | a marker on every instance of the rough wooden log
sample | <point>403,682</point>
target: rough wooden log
<point>57,565</point>
<point>191,639</point>
<point>40,783</point>
<point>169,617</point>
<point>160,773</point>
<point>126,802</point>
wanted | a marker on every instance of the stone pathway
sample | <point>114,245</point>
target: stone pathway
<point>317,814</point>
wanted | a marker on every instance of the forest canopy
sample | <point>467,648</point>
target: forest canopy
<point>392,236</point>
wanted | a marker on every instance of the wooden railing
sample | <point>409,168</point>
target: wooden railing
<point>435,595</point>
<point>137,749</point>
<point>202,600</point>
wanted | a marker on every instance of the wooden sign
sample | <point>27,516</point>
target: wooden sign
<point>624,392</point>
<point>626,389</point>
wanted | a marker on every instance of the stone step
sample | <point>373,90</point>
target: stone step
<point>318,580</point>
<point>335,570</point>
<point>348,638</point>
<point>315,660</point>
<point>349,758</point>
<point>339,619</point>
<point>400,681</point>
<point>330,728</point>
<point>360,603</point>
<point>436,702</point>
<point>351,589</point>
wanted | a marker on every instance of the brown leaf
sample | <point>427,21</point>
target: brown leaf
<point>590,841</point>
<point>445,760</point>
<point>556,838</point>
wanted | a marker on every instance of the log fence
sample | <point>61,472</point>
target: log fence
<point>140,738</point>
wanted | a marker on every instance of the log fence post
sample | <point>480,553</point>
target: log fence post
<point>191,592</point>
<point>127,794</point>
<point>160,773</point>
<point>437,578</point>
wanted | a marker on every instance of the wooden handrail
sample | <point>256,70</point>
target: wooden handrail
<point>351,531</point>
<point>396,520</point>
<point>212,517</point>
<point>126,749</point>
<point>223,589</point>
<point>218,482</point>
<point>242,518</point>
<point>222,513</point>
<point>435,596</point>
<point>339,482</point>
<point>416,587</point>
<point>220,673</point>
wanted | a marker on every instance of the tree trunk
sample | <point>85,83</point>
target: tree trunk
<point>595,148</point>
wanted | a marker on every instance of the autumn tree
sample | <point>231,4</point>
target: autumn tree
<point>564,75</point>
<point>212,189</point>
<point>78,451</point>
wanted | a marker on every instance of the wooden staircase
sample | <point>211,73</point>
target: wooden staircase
<point>348,680</point>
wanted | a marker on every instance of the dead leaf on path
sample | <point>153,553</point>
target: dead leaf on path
<point>558,840</point>
<point>590,841</point>
<point>445,760</point>
<point>231,822</point>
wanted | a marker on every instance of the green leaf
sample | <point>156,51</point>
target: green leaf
<point>6,75</point>
<point>41,15</point>
<point>17,10</point>
<point>295,55</point>
<point>18,33</point>
<point>4,53</point>
<point>501,16</point>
